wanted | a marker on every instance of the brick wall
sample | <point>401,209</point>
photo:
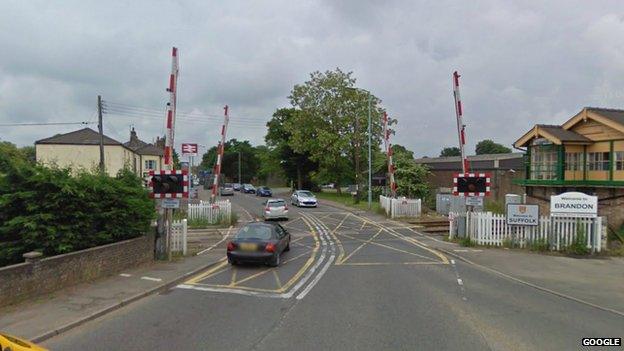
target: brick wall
<point>26,280</point>
<point>502,182</point>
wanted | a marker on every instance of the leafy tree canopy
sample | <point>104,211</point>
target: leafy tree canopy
<point>450,151</point>
<point>488,146</point>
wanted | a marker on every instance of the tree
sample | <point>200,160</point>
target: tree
<point>450,151</point>
<point>229,165</point>
<point>26,153</point>
<point>400,149</point>
<point>411,178</point>
<point>296,166</point>
<point>330,122</point>
<point>488,146</point>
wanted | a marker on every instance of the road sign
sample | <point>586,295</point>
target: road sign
<point>474,201</point>
<point>170,203</point>
<point>189,149</point>
<point>574,204</point>
<point>471,184</point>
<point>168,184</point>
<point>522,214</point>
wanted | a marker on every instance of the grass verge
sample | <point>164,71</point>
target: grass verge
<point>348,200</point>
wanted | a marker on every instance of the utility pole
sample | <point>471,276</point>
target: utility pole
<point>358,151</point>
<point>101,131</point>
<point>239,168</point>
<point>370,153</point>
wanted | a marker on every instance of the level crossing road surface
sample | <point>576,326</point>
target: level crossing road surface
<point>348,283</point>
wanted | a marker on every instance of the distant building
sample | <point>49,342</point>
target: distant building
<point>584,154</point>
<point>504,168</point>
<point>80,150</point>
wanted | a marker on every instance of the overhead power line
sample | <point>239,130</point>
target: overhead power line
<point>43,124</point>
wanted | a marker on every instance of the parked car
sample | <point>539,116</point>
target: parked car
<point>303,198</point>
<point>236,186</point>
<point>248,189</point>
<point>275,209</point>
<point>226,190</point>
<point>12,343</point>
<point>258,242</point>
<point>264,191</point>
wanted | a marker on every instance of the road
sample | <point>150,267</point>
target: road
<point>349,283</point>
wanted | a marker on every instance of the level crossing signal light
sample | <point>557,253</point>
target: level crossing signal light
<point>168,184</point>
<point>471,184</point>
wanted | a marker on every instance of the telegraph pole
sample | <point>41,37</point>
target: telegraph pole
<point>370,153</point>
<point>239,168</point>
<point>101,131</point>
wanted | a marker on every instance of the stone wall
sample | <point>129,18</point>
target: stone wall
<point>42,276</point>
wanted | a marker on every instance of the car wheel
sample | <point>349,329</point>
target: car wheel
<point>232,262</point>
<point>275,261</point>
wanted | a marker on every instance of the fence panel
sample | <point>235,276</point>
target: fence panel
<point>212,213</point>
<point>178,236</point>
<point>486,228</point>
<point>404,207</point>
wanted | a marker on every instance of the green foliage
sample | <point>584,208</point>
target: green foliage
<point>49,210</point>
<point>494,206</point>
<point>450,151</point>
<point>490,147</point>
<point>250,164</point>
<point>539,245</point>
<point>330,123</point>
<point>411,178</point>
<point>466,242</point>
<point>579,245</point>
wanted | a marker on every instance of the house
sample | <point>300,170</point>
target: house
<point>503,168</point>
<point>147,156</point>
<point>80,150</point>
<point>584,154</point>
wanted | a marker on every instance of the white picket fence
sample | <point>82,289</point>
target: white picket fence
<point>401,207</point>
<point>178,236</point>
<point>213,213</point>
<point>486,228</point>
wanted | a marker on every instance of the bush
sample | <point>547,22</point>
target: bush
<point>579,245</point>
<point>540,245</point>
<point>466,242</point>
<point>49,210</point>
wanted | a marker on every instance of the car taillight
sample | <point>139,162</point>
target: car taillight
<point>286,207</point>
<point>269,247</point>
<point>267,209</point>
<point>231,246</point>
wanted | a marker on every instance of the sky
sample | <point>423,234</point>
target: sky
<point>521,63</point>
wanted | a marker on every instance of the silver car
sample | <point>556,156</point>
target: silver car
<point>275,209</point>
<point>226,190</point>
<point>303,198</point>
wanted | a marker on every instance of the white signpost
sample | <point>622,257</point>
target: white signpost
<point>476,201</point>
<point>574,204</point>
<point>170,203</point>
<point>522,214</point>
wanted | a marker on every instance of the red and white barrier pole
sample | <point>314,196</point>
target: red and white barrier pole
<point>388,146</point>
<point>220,149</point>
<point>461,128</point>
<point>171,109</point>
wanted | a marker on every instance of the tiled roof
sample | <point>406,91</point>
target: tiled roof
<point>613,114</point>
<point>563,134</point>
<point>86,136</point>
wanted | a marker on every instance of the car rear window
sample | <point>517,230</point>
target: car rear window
<point>262,232</point>
<point>277,204</point>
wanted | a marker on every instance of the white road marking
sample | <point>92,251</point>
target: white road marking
<point>125,275</point>
<point>459,281</point>
<point>324,269</point>
<point>152,279</point>
<point>452,261</point>
<point>461,250</point>
<point>216,244</point>
<point>234,291</point>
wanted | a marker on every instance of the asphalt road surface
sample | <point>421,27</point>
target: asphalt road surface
<point>348,283</point>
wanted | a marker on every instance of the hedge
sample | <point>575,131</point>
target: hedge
<point>54,211</point>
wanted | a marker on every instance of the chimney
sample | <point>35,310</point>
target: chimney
<point>133,136</point>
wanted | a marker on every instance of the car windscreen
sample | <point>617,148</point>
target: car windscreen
<point>306,194</point>
<point>277,204</point>
<point>261,232</point>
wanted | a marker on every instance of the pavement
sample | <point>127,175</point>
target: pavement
<point>357,281</point>
<point>44,317</point>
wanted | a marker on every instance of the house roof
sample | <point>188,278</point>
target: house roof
<point>485,157</point>
<point>142,148</point>
<point>513,160</point>
<point>614,115</point>
<point>562,134</point>
<point>86,136</point>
